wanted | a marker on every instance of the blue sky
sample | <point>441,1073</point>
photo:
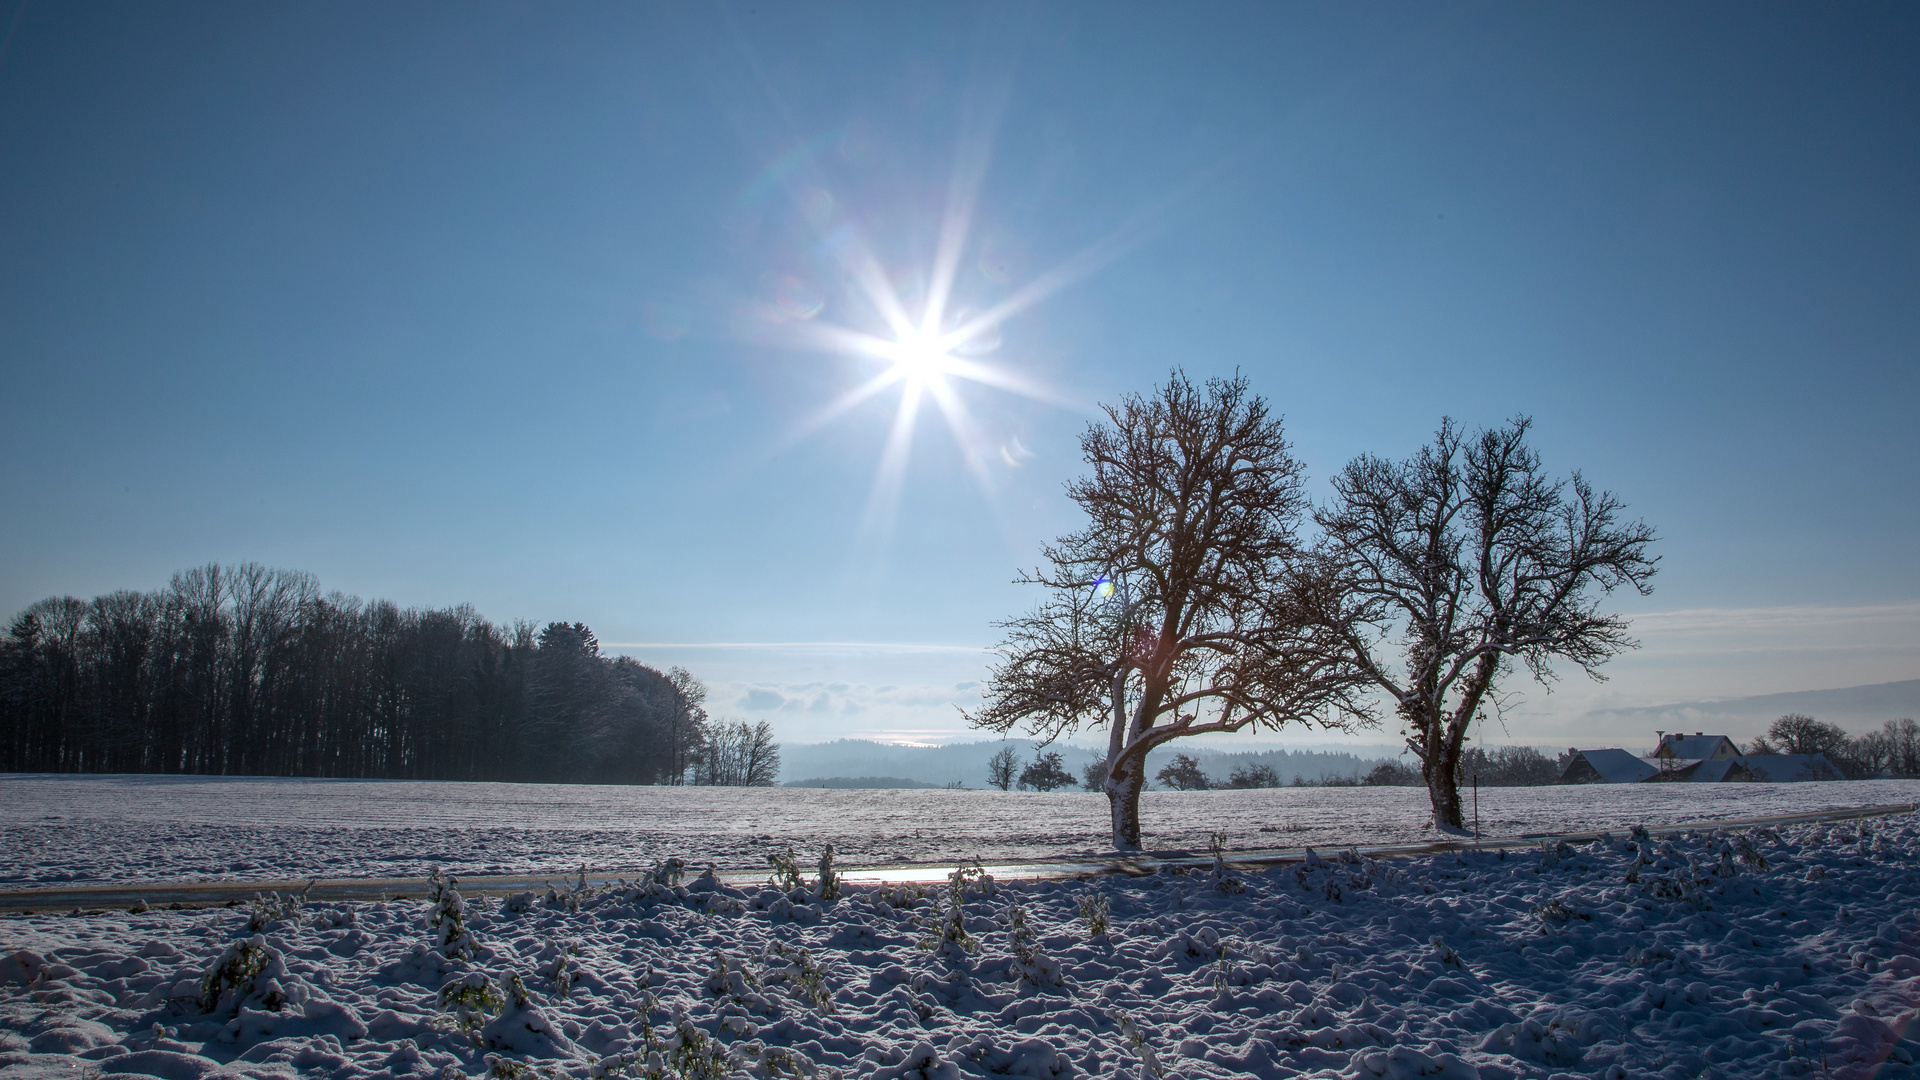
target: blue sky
<point>495,304</point>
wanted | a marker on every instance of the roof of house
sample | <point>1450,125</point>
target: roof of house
<point>1696,747</point>
<point>1614,765</point>
<point>1716,770</point>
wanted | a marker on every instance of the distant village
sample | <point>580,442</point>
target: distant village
<point>1698,758</point>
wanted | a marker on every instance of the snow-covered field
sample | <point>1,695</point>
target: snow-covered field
<point>1787,952</point>
<point>73,829</point>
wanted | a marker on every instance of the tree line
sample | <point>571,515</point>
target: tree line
<point>247,670</point>
<point>1892,751</point>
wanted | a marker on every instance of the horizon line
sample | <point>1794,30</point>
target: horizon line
<point>881,646</point>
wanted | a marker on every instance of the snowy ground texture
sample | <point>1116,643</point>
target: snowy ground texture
<point>1765,952</point>
<point>56,830</point>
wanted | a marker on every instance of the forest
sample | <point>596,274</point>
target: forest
<point>247,670</point>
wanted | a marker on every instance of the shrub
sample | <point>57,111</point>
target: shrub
<point>1225,882</point>
<point>448,920</point>
<point>1253,775</point>
<point>237,976</point>
<point>806,975</point>
<point>786,871</point>
<point>828,887</point>
<point>950,929</point>
<point>1096,914</point>
<point>471,1001</point>
<point>1029,965</point>
<point>1393,774</point>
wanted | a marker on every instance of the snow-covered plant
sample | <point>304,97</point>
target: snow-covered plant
<point>1555,911</point>
<point>736,985</point>
<point>972,879</point>
<point>1029,965</point>
<point>777,1061</point>
<point>786,871</point>
<point>666,873</point>
<point>518,997</point>
<point>693,1054</point>
<point>1202,943</point>
<point>562,974</point>
<point>1225,882</point>
<point>1096,914</point>
<point>1224,973</point>
<point>805,973</point>
<point>828,887</point>
<point>950,929</point>
<point>273,908</point>
<point>1641,858</point>
<point>1309,864</point>
<point>501,1068</point>
<point>232,977</point>
<point>471,1001</point>
<point>901,896</point>
<point>575,894</point>
<point>1149,1062</point>
<point>448,921</point>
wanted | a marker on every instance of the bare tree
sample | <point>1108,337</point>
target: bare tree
<point>1002,767</point>
<point>686,727</point>
<point>1798,733</point>
<point>1900,744</point>
<point>1890,749</point>
<point>1173,612</point>
<point>1461,560</point>
<point>738,754</point>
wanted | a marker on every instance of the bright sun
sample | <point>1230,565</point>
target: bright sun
<point>920,360</point>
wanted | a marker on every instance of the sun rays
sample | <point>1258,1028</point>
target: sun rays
<point>929,354</point>
<point>928,329</point>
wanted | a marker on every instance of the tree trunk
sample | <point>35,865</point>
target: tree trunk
<point>1125,779</point>
<point>1443,788</point>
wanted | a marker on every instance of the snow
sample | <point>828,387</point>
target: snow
<point>57,830</point>
<point>1762,952</point>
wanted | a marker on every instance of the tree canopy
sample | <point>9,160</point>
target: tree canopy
<point>1176,610</point>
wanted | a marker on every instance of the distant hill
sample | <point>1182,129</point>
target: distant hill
<point>861,782</point>
<point>1856,708</point>
<point>938,766</point>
